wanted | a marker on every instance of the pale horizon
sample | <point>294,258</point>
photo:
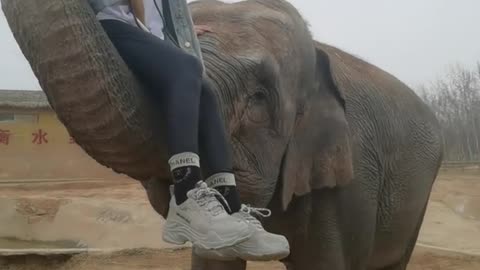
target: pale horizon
<point>415,41</point>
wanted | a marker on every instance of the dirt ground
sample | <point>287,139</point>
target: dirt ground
<point>424,259</point>
<point>115,214</point>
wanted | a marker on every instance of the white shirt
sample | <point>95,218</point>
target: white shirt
<point>153,19</point>
<point>118,12</point>
<point>121,12</point>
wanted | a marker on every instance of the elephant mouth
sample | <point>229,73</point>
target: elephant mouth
<point>254,189</point>
<point>254,185</point>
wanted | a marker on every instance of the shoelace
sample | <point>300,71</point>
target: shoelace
<point>262,212</point>
<point>208,198</point>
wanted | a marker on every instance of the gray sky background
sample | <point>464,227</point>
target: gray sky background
<point>413,39</point>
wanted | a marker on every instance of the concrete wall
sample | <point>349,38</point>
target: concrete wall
<point>37,146</point>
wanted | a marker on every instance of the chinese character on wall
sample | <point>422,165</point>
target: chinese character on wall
<point>39,137</point>
<point>5,136</point>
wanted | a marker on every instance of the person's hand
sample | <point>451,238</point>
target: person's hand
<point>202,29</point>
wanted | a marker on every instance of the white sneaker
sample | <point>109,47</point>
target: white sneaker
<point>262,246</point>
<point>203,221</point>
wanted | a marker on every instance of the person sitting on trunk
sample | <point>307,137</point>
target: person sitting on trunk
<point>208,214</point>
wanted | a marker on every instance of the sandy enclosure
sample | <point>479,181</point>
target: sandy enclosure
<point>114,213</point>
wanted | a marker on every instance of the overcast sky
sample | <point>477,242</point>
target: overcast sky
<point>413,39</point>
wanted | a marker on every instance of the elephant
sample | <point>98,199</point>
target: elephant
<point>342,152</point>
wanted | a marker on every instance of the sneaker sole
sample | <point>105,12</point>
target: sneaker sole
<point>178,233</point>
<point>217,255</point>
<point>266,257</point>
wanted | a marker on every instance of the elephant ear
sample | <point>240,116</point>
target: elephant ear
<point>319,152</point>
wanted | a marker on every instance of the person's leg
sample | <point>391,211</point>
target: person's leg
<point>175,77</point>
<point>215,150</point>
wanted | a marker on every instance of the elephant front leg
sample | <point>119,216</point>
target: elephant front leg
<point>158,194</point>
<point>199,263</point>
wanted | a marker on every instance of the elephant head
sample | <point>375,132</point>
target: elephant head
<point>283,111</point>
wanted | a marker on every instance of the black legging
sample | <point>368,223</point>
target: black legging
<point>175,79</point>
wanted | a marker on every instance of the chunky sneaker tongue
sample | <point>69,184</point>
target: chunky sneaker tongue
<point>208,198</point>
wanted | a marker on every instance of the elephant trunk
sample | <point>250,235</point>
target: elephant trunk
<point>88,85</point>
<point>93,92</point>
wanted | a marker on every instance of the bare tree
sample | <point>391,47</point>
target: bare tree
<point>455,99</point>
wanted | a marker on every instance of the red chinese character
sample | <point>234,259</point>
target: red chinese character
<point>72,140</point>
<point>39,137</point>
<point>5,136</point>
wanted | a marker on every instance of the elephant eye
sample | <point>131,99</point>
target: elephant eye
<point>257,108</point>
